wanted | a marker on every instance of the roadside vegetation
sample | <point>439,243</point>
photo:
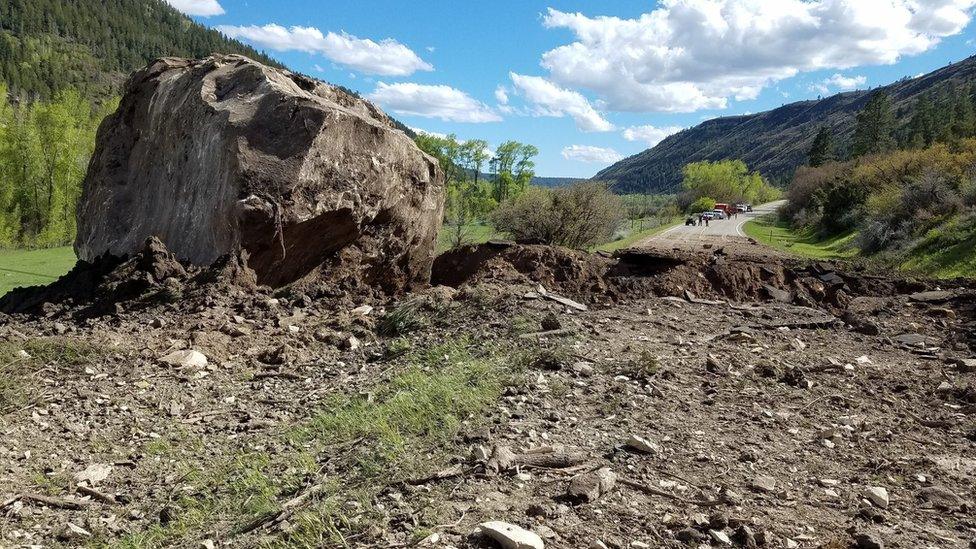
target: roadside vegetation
<point>33,267</point>
<point>776,233</point>
<point>907,195</point>
<point>728,181</point>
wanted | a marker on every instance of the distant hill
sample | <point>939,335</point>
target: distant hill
<point>556,181</point>
<point>774,142</point>
<point>92,45</point>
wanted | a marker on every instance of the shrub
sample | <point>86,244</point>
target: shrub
<point>577,216</point>
<point>703,204</point>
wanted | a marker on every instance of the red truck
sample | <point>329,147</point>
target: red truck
<point>727,208</point>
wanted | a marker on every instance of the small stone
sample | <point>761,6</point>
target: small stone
<point>689,535</point>
<point>720,537</point>
<point>940,498</point>
<point>94,473</point>
<point>642,445</point>
<point>582,369</point>
<point>591,486</point>
<point>764,483</point>
<point>798,345</point>
<point>60,329</point>
<point>23,354</point>
<point>185,359</point>
<point>877,496</point>
<point>72,531</point>
<point>551,322</point>
<point>965,365</point>
<point>157,323</point>
<point>597,544</point>
<point>362,310</point>
<point>867,541</point>
<point>351,343</point>
<point>509,536</point>
<point>207,544</point>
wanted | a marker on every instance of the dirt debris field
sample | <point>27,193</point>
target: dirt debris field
<point>636,401</point>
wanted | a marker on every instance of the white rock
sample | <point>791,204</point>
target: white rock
<point>643,445</point>
<point>509,536</point>
<point>94,473</point>
<point>720,537</point>
<point>863,359</point>
<point>764,483</point>
<point>186,359</point>
<point>23,354</point>
<point>362,310</point>
<point>877,495</point>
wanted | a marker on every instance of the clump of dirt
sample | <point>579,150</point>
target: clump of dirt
<point>556,268</point>
<point>109,284</point>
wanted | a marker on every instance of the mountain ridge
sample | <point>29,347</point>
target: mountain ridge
<point>774,142</point>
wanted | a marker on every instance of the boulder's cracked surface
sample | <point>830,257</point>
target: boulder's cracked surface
<point>224,153</point>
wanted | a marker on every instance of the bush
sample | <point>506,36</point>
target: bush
<point>577,216</point>
<point>703,204</point>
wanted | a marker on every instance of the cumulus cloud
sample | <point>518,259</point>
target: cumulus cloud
<point>652,135</point>
<point>386,57</point>
<point>501,95</point>
<point>840,82</point>
<point>438,101</point>
<point>204,8</point>
<point>688,55</point>
<point>548,99</point>
<point>590,154</point>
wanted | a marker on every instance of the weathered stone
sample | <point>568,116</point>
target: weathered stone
<point>224,153</point>
<point>877,495</point>
<point>867,541</point>
<point>185,359</point>
<point>509,536</point>
<point>590,486</point>
<point>642,445</point>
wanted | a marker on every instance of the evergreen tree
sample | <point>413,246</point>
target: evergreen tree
<point>874,130</point>
<point>822,150</point>
<point>921,128</point>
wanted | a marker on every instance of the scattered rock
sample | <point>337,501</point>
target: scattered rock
<point>940,498</point>
<point>877,496</point>
<point>643,445</point>
<point>185,359</point>
<point>509,536</point>
<point>868,541</point>
<point>591,486</point>
<point>720,537</point>
<point>764,483</point>
<point>551,322</point>
<point>94,473</point>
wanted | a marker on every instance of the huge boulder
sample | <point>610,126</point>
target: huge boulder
<point>221,154</point>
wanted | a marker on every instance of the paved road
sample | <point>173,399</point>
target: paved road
<point>720,230</point>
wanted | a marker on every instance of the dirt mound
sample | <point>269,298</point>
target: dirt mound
<point>110,284</point>
<point>556,268</point>
<point>654,272</point>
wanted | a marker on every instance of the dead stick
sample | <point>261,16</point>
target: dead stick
<point>655,492</point>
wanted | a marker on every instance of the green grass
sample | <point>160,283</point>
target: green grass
<point>405,427</point>
<point>629,236</point>
<point>33,267</point>
<point>777,234</point>
<point>948,251</point>
<point>475,233</point>
<point>16,371</point>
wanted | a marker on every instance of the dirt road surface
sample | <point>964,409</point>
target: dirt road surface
<point>717,231</point>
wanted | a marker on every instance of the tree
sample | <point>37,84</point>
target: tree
<point>703,204</point>
<point>874,128</point>
<point>577,216</point>
<point>725,181</point>
<point>921,127</point>
<point>822,150</point>
<point>514,168</point>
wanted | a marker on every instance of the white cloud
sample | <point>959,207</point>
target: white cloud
<point>590,154</point>
<point>421,131</point>
<point>688,55</point>
<point>840,82</point>
<point>203,8</point>
<point>387,57</point>
<point>439,101</point>
<point>548,99</point>
<point>501,95</point>
<point>651,135</point>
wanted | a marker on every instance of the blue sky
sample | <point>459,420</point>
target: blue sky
<point>592,82</point>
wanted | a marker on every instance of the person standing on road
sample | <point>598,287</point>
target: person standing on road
<point>706,221</point>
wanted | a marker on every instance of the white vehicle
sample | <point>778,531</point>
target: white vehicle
<point>719,214</point>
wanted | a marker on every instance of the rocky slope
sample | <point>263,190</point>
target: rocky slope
<point>774,142</point>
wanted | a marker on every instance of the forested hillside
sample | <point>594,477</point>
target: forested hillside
<point>776,142</point>
<point>90,45</point>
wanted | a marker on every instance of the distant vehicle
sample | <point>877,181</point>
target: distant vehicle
<point>708,215</point>
<point>742,207</point>
<point>719,214</point>
<point>690,221</point>
<point>724,208</point>
<point>748,207</point>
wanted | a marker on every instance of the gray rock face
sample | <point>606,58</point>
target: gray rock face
<point>224,153</point>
